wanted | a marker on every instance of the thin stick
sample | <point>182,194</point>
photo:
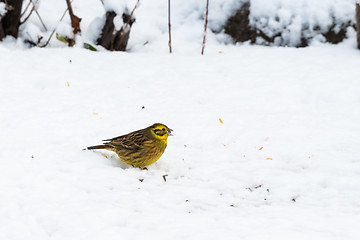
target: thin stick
<point>206,22</point>
<point>127,23</point>
<point>27,6</point>
<point>47,42</point>
<point>37,13</point>
<point>358,24</point>
<point>170,49</point>
<point>9,7</point>
<point>31,11</point>
<point>69,7</point>
<point>75,21</point>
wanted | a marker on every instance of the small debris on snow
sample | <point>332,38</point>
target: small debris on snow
<point>164,177</point>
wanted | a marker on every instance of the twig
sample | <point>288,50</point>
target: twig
<point>127,23</point>
<point>102,1</point>
<point>358,23</point>
<point>47,42</point>
<point>170,49</point>
<point>8,7</point>
<point>75,20</point>
<point>69,7</point>
<point>164,177</point>
<point>37,13</point>
<point>206,22</point>
<point>31,11</point>
<point>27,6</point>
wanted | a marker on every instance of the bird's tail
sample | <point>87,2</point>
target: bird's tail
<point>97,147</point>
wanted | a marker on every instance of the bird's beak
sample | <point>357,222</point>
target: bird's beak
<point>169,131</point>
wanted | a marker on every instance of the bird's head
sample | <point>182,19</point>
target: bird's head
<point>160,131</point>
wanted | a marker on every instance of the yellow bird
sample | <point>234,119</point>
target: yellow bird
<point>139,148</point>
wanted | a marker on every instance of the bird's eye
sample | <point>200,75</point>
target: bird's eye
<point>163,129</point>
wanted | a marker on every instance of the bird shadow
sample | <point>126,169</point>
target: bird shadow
<point>113,159</point>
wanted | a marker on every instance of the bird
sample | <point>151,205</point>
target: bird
<point>139,148</point>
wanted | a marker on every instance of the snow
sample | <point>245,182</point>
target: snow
<point>292,18</point>
<point>2,9</point>
<point>299,105</point>
<point>265,141</point>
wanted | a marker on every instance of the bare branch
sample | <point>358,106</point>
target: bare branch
<point>27,6</point>
<point>31,11</point>
<point>37,13</point>
<point>75,20</point>
<point>47,42</point>
<point>8,7</point>
<point>358,24</point>
<point>206,22</point>
<point>170,49</point>
<point>125,29</point>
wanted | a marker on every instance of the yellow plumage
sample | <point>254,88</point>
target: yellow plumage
<point>139,148</point>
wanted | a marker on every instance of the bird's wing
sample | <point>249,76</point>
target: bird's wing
<point>132,141</point>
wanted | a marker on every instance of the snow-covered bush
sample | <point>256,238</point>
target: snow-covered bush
<point>266,22</point>
<point>293,23</point>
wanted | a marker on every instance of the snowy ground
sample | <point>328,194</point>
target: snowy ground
<point>301,106</point>
<point>282,163</point>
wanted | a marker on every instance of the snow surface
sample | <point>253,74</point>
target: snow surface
<point>265,145</point>
<point>299,105</point>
